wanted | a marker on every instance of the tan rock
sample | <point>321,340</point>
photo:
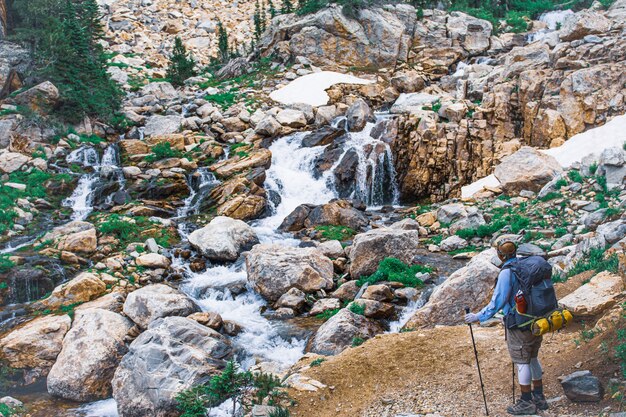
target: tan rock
<point>153,260</point>
<point>257,158</point>
<point>79,242</point>
<point>600,293</point>
<point>84,287</point>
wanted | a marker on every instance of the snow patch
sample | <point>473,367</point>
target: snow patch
<point>311,89</point>
<point>489,181</point>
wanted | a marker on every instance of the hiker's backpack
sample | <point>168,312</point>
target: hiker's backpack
<point>533,278</point>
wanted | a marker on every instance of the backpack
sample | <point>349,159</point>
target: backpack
<point>533,277</point>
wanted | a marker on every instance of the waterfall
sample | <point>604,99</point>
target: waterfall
<point>552,20</point>
<point>82,199</point>
<point>200,184</point>
<point>104,408</point>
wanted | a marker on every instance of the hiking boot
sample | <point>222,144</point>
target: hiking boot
<point>522,408</point>
<point>540,402</point>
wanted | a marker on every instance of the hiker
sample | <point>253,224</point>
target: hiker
<point>522,344</point>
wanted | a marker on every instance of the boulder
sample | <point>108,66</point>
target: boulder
<point>133,147</point>
<point>155,301</point>
<point>223,239</point>
<point>153,260</point>
<point>469,286</point>
<point>160,90</point>
<point>35,345</point>
<point>163,125</point>
<point>85,241</point>
<point>412,103</point>
<point>325,304</point>
<point>268,126</point>
<point>591,299</point>
<point>612,232</point>
<point>173,354</point>
<point>374,309</point>
<point>378,293</point>
<point>86,286</point>
<point>358,115</point>
<point>582,386</point>
<point>12,161</point>
<point>293,299</point>
<point>259,158</point>
<point>331,248</point>
<point>339,331</point>
<point>335,213</point>
<point>470,33</point>
<point>92,349</point>
<point>583,23</point>
<point>369,248</point>
<point>274,269</point>
<point>453,243</point>
<point>292,118</point>
<point>347,291</point>
<point>408,82</point>
<point>40,98</point>
<point>460,217</point>
<point>322,137</point>
<point>208,318</point>
<point>526,169</point>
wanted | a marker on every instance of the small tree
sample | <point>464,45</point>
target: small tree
<point>222,42</point>
<point>272,8</point>
<point>182,65</point>
<point>258,24</point>
<point>287,6</point>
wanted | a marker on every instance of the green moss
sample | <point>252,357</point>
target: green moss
<point>357,308</point>
<point>161,151</point>
<point>575,176</point>
<point>332,232</point>
<point>327,314</point>
<point>393,269</point>
<point>595,261</point>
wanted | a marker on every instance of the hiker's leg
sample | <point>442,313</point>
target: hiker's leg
<point>537,373</point>
<point>524,377</point>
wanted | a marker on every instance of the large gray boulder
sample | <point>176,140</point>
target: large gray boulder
<point>470,286</point>
<point>583,23</point>
<point>460,217</point>
<point>358,115</point>
<point>155,301</point>
<point>470,33</point>
<point>274,269</point>
<point>174,354</point>
<point>339,331</point>
<point>526,169</point>
<point>582,386</point>
<point>92,349</point>
<point>223,239</point>
<point>163,125</point>
<point>337,213</point>
<point>369,248</point>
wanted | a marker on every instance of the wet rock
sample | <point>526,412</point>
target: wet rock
<point>339,331</point>
<point>358,115</point>
<point>469,286</point>
<point>273,270</point>
<point>92,349</point>
<point>173,354</point>
<point>599,294</point>
<point>293,299</point>
<point>257,158</point>
<point>209,319</point>
<point>345,173</point>
<point>322,137</point>
<point>86,286</point>
<point>223,239</point>
<point>526,169</point>
<point>35,345</point>
<point>155,301</point>
<point>369,248</point>
<point>582,386</point>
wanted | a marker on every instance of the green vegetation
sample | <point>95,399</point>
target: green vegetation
<point>393,269</point>
<point>162,150</point>
<point>514,221</point>
<point>137,229</point>
<point>593,168</point>
<point>241,387</point>
<point>561,182</point>
<point>340,233</point>
<point>317,362</point>
<point>575,176</point>
<point>551,196</point>
<point>357,341</point>
<point>357,308</point>
<point>280,412</point>
<point>224,100</point>
<point>327,314</point>
<point>181,65</point>
<point>595,261</point>
<point>64,37</point>
<point>560,231</point>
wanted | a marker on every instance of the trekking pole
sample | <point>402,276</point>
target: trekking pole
<point>506,336</point>
<point>480,376</point>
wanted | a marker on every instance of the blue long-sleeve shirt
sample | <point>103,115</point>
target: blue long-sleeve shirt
<point>503,297</point>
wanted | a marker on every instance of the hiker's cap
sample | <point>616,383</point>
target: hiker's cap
<point>507,249</point>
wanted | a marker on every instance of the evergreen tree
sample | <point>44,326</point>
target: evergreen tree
<point>222,42</point>
<point>258,24</point>
<point>273,11</point>
<point>263,17</point>
<point>181,64</point>
<point>287,6</point>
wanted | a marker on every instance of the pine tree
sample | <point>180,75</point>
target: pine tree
<point>263,17</point>
<point>258,24</point>
<point>287,6</point>
<point>222,43</point>
<point>273,11</point>
<point>181,64</point>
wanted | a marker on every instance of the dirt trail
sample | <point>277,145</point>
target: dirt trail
<point>433,371</point>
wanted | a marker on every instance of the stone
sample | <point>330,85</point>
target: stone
<point>268,126</point>
<point>113,301</point>
<point>155,301</point>
<point>291,118</point>
<point>163,125</point>
<point>325,304</point>
<point>459,217</point>
<point>612,232</point>
<point>331,249</point>
<point>86,286</point>
<point>255,159</point>
<point>223,239</point>
<point>84,241</point>
<point>35,345</point>
<point>12,161</point>
<point>582,386</point>
<point>375,309</point>
<point>427,219</point>
<point>378,293</point>
<point>173,354</point>
<point>453,243</point>
<point>207,318</point>
<point>369,248</point>
<point>594,219</point>
<point>472,34</point>
<point>322,137</point>
<point>335,213</point>
<point>293,299</point>
<point>407,82</point>
<point>92,349</point>
<point>593,298</point>
<point>338,332</point>
<point>583,23</point>
<point>469,286</point>
<point>358,115</point>
<point>274,269</point>
<point>40,98</point>
<point>153,260</point>
<point>325,115</point>
<point>412,103</point>
<point>161,90</point>
<point>347,291</point>
<point>526,169</point>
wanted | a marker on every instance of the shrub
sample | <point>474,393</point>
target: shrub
<point>161,151</point>
<point>593,168</point>
<point>575,176</point>
<point>561,182</point>
<point>393,269</point>
<point>560,231</point>
<point>595,261</point>
<point>551,196</point>
<point>5,264</point>
<point>357,308</point>
<point>181,64</point>
<point>279,412</point>
<point>327,314</point>
<point>317,362</point>
<point>224,100</point>
<point>357,341</point>
<point>332,232</point>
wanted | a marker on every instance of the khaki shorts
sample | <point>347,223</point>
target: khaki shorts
<point>523,346</point>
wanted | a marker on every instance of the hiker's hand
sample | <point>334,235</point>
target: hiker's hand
<point>471,318</point>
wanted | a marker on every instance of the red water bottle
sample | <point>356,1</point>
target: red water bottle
<point>520,302</point>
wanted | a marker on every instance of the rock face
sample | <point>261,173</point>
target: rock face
<point>84,287</point>
<point>369,248</point>
<point>338,332</point>
<point>155,301</point>
<point>600,293</point>
<point>174,354</point>
<point>583,23</point>
<point>273,270</point>
<point>337,213</point>
<point>163,125</point>
<point>526,169</point>
<point>35,346</point>
<point>470,286</point>
<point>91,352</point>
<point>581,386</point>
<point>223,239</point>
